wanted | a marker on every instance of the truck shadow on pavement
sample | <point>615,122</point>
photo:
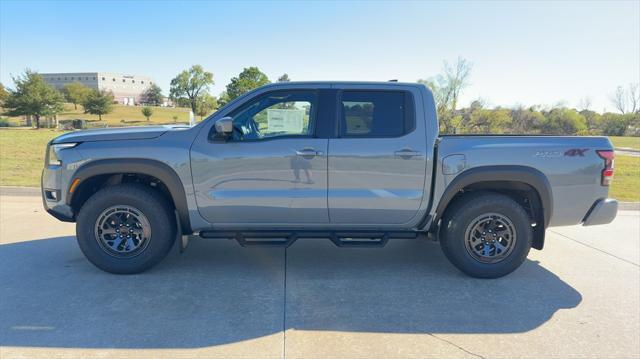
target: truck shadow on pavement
<point>218,293</point>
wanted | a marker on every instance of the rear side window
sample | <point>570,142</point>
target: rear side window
<point>376,114</point>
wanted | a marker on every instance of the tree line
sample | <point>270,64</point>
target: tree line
<point>32,96</point>
<point>448,86</point>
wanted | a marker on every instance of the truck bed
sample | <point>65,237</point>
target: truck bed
<point>570,164</point>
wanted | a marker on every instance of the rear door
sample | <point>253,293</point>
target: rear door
<point>377,163</point>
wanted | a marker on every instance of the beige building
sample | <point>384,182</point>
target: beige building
<point>126,89</point>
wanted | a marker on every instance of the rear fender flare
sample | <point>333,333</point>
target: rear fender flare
<point>523,174</point>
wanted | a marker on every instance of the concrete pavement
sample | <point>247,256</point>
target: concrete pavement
<point>579,297</point>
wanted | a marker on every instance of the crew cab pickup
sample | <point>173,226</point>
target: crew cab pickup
<point>359,163</point>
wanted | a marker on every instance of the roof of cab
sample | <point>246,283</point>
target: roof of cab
<point>339,83</point>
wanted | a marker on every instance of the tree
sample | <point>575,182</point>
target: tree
<point>3,94</point>
<point>585,103</point>
<point>614,124</point>
<point>205,105</point>
<point>223,99</point>
<point>487,121</point>
<point>563,121</point>
<point>634,97</point>
<point>33,97</point>
<point>447,88</point>
<point>147,112</point>
<point>619,99</point>
<point>594,121</point>
<point>284,78</point>
<point>190,84</point>
<point>627,100</point>
<point>98,103</point>
<point>526,120</point>
<point>152,95</point>
<point>75,93</point>
<point>248,79</point>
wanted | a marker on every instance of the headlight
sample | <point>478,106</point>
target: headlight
<point>54,150</point>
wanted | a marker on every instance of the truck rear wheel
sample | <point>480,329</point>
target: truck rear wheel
<point>486,235</point>
<point>125,229</point>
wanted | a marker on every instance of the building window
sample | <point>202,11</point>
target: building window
<point>103,79</point>
<point>114,79</point>
<point>142,82</point>
<point>71,77</point>
<point>123,80</point>
<point>133,81</point>
<point>65,79</point>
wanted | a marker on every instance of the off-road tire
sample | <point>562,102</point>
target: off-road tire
<point>459,220</point>
<point>151,204</point>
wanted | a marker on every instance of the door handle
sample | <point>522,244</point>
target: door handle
<point>308,153</point>
<point>407,153</point>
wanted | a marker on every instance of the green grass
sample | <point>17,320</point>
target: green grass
<point>22,157</point>
<point>629,142</point>
<point>626,179</point>
<point>124,116</point>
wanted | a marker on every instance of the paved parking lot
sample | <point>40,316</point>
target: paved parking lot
<point>580,297</point>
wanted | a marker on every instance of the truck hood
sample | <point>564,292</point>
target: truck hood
<point>116,133</point>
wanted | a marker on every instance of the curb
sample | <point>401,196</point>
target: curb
<point>626,149</point>
<point>19,191</point>
<point>629,206</point>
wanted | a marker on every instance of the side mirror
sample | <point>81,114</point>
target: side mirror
<point>224,126</point>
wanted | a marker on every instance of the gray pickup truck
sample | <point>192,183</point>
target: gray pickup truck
<point>359,163</point>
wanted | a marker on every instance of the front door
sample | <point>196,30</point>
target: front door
<point>377,164</point>
<point>271,170</point>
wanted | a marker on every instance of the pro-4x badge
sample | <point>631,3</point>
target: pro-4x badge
<point>576,152</point>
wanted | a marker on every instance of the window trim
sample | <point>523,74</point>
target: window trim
<point>408,99</point>
<point>313,125</point>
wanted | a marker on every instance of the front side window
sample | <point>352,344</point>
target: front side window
<point>281,113</point>
<point>376,114</point>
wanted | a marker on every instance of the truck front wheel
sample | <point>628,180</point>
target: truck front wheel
<point>126,229</point>
<point>486,235</point>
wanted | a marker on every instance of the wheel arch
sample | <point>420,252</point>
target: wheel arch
<point>107,171</point>
<point>528,181</point>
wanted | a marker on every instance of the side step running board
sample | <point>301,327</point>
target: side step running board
<point>286,238</point>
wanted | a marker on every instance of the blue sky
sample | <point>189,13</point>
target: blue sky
<point>522,52</point>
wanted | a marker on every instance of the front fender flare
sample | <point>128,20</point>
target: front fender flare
<point>142,166</point>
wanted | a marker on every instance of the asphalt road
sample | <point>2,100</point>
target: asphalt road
<point>579,297</point>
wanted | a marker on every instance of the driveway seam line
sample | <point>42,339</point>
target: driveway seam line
<point>597,249</point>
<point>284,311</point>
<point>456,345</point>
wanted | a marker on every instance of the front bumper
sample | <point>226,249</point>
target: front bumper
<point>53,198</point>
<point>603,211</point>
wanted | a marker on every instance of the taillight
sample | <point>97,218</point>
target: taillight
<point>607,172</point>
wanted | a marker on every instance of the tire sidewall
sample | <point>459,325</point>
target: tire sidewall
<point>464,212</point>
<point>163,229</point>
